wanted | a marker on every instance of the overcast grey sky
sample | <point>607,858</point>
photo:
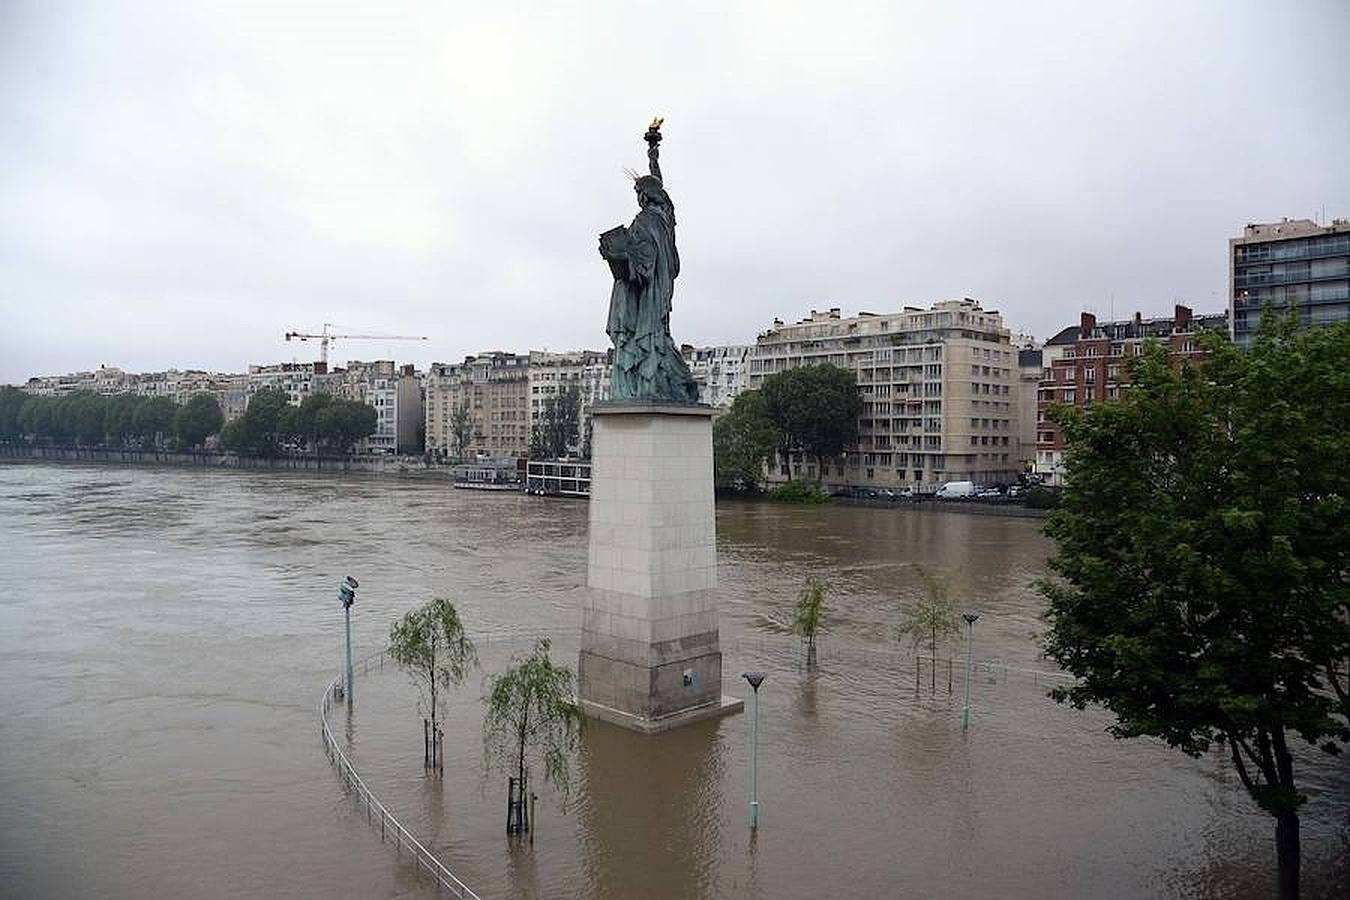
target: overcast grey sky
<point>181,183</point>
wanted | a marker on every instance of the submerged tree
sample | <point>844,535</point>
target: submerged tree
<point>430,643</point>
<point>808,614</point>
<point>1202,548</point>
<point>932,618</point>
<point>531,713</point>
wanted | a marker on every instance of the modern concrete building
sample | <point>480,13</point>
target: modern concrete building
<point>1085,364</point>
<point>1293,261</point>
<point>939,390</point>
<point>1030,364</point>
<point>720,372</point>
<point>551,374</point>
<point>493,388</point>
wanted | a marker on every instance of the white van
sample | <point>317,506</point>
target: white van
<point>956,490</point>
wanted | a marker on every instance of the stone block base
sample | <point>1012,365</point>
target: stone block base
<point>650,657</point>
<point>723,706</point>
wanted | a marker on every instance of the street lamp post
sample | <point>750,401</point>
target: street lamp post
<point>347,594</point>
<point>755,679</point>
<point>970,638</point>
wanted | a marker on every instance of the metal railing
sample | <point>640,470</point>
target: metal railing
<point>377,814</point>
<point>788,650</point>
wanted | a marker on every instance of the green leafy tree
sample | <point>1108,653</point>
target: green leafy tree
<point>461,429</point>
<point>558,428</point>
<point>1201,547</point>
<point>198,419</point>
<point>430,644</point>
<point>36,417</point>
<point>88,411</point>
<point>344,422</point>
<point>932,618</point>
<point>306,424</point>
<point>263,425</point>
<point>745,440</point>
<point>531,714</point>
<point>119,420</point>
<point>816,408</point>
<point>11,402</point>
<point>154,419</point>
<point>808,615</point>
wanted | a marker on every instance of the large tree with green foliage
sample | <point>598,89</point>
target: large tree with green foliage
<point>261,428</point>
<point>531,711</point>
<point>1201,548</point>
<point>430,644</point>
<point>816,408</point>
<point>11,402</point>
<point>745,439</point>
<point>461,429</point>
<point>559,425</point>
<point>198,419</point>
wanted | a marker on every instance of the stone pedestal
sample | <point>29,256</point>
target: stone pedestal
<point>650,657</point>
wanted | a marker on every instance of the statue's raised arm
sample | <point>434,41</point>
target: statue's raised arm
<point>653,139</point>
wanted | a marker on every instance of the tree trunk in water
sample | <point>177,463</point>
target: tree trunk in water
<point>1287,854</point>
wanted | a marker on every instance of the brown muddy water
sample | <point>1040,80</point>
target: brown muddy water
<point>165,636</point>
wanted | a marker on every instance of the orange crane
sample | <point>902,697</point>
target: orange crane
<point>325,336</point>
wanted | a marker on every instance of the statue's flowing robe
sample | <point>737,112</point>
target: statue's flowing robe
<point>647,364</point>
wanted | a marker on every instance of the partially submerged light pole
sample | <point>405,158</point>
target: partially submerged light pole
<point>347,594</point>
<point>755,679</point>
<point>970,638</point>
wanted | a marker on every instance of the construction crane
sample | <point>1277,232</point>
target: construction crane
<point>324,337</point>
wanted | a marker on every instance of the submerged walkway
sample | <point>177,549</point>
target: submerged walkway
<point>377,814</point>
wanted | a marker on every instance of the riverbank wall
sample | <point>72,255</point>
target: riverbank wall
<point>368,465</point>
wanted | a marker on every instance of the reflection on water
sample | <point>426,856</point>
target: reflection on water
<point>164,635</point>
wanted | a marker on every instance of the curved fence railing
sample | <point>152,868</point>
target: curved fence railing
<point>377,814</point>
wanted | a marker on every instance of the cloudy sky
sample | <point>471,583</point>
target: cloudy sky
<point>181,183</point>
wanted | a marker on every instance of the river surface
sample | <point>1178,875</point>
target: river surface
<point>165,636</point>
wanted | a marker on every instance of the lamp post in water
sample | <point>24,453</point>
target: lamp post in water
<point>755,679</point>
<point>970,639</point>
<point>347,594</point>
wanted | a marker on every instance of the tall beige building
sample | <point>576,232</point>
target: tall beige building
<point>494,387</point>
<point>939,386</point>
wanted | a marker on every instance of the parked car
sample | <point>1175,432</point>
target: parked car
<point>956,490</point>
<point>1015,491</point>
<point>991,493</point>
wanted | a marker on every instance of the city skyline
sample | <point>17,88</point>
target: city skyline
<point>178,194</point>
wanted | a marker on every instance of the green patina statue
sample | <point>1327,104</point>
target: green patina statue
<point>647,364</point>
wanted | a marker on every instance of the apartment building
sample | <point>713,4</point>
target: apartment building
<point>938,387</point>
<point>295,379</point>
<point>1293,261</point>
<point>551,374</point>
<point>719,372</point>
<point>1086,364</point>
<point>494,389</point>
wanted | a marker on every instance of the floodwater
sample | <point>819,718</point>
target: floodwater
<point>165,636</point>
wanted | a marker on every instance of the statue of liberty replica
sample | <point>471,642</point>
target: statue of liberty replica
<point>650,657</point>
<point>647,364</point>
